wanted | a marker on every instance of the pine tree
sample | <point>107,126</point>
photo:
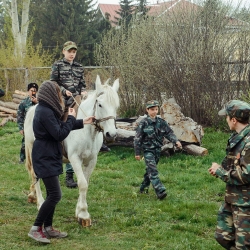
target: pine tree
<point>125,13</point>
<point>58,21</point>
<point>141,7</point>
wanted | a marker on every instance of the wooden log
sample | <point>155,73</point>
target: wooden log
<point>7,110</point>
<point>21,93</point>
<point>195,150</point>
<point>3,114</point>
<point>10,105</point>
<point>8,119</point>
<point>20,97</point>
<point>125,138</point>
<point>16,100</point>
<point>185,128</point>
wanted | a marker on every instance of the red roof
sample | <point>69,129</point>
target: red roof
<point>167,7</point>
<point>109,10</point>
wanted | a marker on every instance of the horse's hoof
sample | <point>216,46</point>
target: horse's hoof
<point>85,222</point>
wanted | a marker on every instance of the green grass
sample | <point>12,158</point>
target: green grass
<point>122,218</point>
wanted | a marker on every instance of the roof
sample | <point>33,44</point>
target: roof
<point>109,10</point>
<point>168,7</point>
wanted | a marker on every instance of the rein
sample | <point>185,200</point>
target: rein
<point>96,122</point>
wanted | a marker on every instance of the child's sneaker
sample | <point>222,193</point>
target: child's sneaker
<point>37,234</point>
<point>50,232</point>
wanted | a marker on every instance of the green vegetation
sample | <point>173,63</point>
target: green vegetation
<point>122,218</point>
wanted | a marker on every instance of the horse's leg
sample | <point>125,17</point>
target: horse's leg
<point>82,207</point>
<point>87,171</point>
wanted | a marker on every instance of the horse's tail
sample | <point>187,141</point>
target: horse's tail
<point>29,140</point>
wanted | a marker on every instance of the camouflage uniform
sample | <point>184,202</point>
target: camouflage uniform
<point>21,113</point>
<point>69,77</point>
<point>149,138</point>
<point>233,228</point>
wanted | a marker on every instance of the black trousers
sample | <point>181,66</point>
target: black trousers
<point>54,194</point>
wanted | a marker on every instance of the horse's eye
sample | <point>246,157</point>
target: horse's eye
<point>100,105</point>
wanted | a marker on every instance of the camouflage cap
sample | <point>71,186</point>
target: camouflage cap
<point>152,103</point>
<point>237,109</point>
<point>69,45</point>
<point>32,85</point>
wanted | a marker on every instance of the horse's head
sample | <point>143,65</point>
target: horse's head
<point>107,103</point>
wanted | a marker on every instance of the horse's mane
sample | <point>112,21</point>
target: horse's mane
<point>111,95</point>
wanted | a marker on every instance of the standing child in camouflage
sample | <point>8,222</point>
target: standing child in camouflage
<point>233,221</point>
<point>69,76</point>
<point>149,138</point>
<point>21,113</point>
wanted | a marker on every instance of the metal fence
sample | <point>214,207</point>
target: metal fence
<point>18,78</point>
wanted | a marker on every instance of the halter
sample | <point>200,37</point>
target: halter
<point>96,122</point>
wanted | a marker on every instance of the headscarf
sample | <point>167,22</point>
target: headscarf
<point>48,93</point>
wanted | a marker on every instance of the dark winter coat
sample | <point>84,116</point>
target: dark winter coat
<point>49,132</point>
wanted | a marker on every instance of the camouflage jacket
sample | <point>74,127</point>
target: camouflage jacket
<point>22,110</point>
<point>68,76</point>
<point>150,133</point>
<point>235,168</point>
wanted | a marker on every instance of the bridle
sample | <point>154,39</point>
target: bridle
<point>96,122</point>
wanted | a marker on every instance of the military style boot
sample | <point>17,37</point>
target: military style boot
<point>70,183</point>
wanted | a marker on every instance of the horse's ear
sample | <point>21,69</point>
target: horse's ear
<point>116,85</point>
<point>98,82</point>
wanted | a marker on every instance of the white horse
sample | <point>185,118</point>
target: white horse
<point>81,146</point>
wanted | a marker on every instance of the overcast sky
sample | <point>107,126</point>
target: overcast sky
<point>234,2</point>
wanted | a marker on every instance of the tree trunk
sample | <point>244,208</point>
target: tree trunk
<point>19,32</point>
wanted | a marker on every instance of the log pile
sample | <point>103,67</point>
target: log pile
<point>187,131</point>
<point>8,110</point>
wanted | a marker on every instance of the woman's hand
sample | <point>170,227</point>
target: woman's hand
<point>72,112</point>
<point>88,120</point>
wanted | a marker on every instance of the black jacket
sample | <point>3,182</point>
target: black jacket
<point>49,132</point>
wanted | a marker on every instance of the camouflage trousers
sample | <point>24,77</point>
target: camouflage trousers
<point>69,168</point>
<point>151,175</point>
<point>22,150</point>
<point>233,227</point>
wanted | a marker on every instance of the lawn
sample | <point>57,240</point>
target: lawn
<point>122,218</point>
